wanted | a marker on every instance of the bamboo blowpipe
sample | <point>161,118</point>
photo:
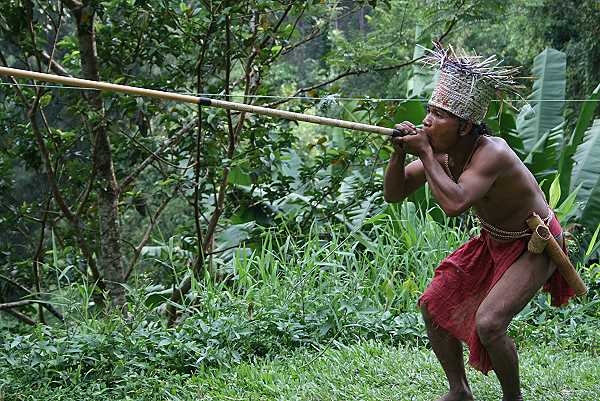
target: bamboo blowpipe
<point>132,90</point>
<point>559,258</point>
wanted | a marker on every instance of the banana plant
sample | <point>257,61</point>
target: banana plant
<point>546,100</point>
<point>586,172</point>
<point>541,140</point>
<point>571,157</point>
<point>586,116</point>
<point>540,124</point>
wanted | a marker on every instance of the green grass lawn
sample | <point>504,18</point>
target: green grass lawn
<point>366,371</point>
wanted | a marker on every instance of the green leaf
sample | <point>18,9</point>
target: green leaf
<point>410,110</point>
<point>555,191</point>
<point>238,176</point>
<point>585,119</point>
<point>234,235</point>
<point>46,99</point>
<point>566,208</point>
<point>156,298</point>
<point>590,216</point>
<point>543,157</point>
<point>54,250</point>
<point>593,244</point>
<point>586,172</point>
<point>420,76</point>
<point>547,98</point>
<point>501,119</point>
<point>276,49</point>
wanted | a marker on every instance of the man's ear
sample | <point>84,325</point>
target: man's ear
<point>465,128</point>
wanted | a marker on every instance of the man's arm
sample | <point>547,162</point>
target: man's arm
<point>400,181</point>
<point>473,184</point>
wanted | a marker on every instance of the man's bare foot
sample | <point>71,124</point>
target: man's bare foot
<point>464,395</point>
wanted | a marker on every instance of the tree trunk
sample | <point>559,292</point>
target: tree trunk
<point>110,260</point>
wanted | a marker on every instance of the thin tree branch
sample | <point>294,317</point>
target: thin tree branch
<point>37,260</point>
<point>316,32</point>
<point>276,27</point>
<point>360,71</point>
<point>347,73</point>
<point>71,217</point>
<point>47,164</point>
<point>184,287</point>
<point>54,65</point>
<point>231,134</point>
<point>46,305</point>
<point>153,220</point>
<point>20,316</point>
<point>28,6</point>
<point>18,304</point>
<point>50,58</point>
<point>153,155</point>
<point>171,141</point>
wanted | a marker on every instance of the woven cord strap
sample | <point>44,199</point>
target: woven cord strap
<point>503,234</point>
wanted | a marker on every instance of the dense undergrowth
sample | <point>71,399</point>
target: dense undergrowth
<point>287,296</point>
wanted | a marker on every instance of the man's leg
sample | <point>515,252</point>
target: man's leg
<point>508,297</point>
<point>449,352</point>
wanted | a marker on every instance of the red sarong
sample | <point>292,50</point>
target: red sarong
<point>463,280</point>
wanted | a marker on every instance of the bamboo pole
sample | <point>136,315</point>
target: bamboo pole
<point>132,90</point>
<point>559,258</point>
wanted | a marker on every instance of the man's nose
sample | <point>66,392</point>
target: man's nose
<point>427,121</point>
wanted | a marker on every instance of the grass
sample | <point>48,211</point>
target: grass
<point>363,371</point>
<point>311,317</point>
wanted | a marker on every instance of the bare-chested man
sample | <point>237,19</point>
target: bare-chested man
<point>478,289</point>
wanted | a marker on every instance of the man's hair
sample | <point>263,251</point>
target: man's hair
<point>481,129</point>
<point>477,130</point>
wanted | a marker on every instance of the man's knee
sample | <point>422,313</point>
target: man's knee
<point>489,327</point>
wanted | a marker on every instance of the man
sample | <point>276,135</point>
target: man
<point>478,289</point>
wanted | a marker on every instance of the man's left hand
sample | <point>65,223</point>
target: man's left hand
<point>417,144</point>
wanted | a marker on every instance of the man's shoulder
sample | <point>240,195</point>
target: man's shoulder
<point>495,151</point>
<point>496,146</point>
<point>498,143</point>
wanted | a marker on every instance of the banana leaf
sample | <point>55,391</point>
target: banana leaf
<point>586,116</point>
<point>543,158</point>
<point>546,100</point>
<point>502,122</point>
<point>586,173</point>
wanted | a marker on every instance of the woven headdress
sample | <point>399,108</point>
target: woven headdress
<point>467,83</point>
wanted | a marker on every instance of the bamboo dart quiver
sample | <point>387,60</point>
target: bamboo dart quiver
<point>541,240</point>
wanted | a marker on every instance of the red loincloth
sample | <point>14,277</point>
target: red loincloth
<point>463,280</point>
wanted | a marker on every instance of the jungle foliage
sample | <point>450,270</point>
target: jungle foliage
<point>221,236</point>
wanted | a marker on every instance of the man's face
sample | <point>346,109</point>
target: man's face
<point>442,129</point>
